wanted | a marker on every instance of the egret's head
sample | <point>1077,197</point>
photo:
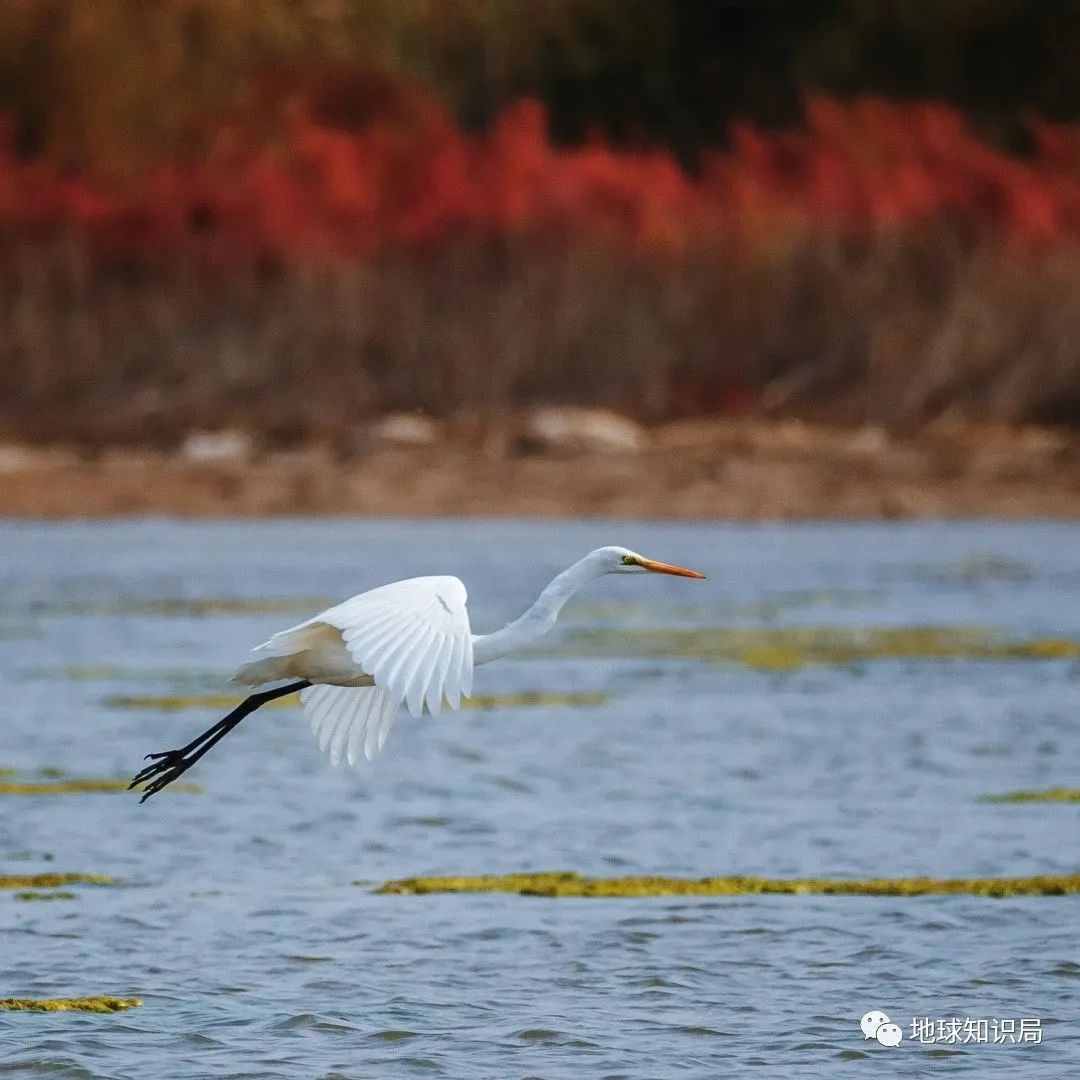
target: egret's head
<point>620,560</point>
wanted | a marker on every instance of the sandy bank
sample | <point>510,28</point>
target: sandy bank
<point>700,469</point>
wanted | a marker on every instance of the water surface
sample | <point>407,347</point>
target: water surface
<point>246,920</point>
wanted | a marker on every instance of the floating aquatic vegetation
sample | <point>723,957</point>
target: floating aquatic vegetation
<point>572,884</point>
<point>92,673</point>
<point>1058,794</point>
<point>52,881</point>
<point>531,698</point>
<point>32,895</point>
<point>794,599</point>
<point>973,570</point>
<point>225,702</point>
<point>80,787</point>
<point>1048,649</point>
<point>103,1004</point>
<point>783,649</point>
<point>111,673</point>
<point>26,856</point>
<point>197,607</point>
<point>625,613</point>
<point>181,702</point>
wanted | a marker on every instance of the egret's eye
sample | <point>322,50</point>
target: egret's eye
<point>628,560</point>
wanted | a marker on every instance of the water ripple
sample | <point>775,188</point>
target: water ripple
<point>247,923</point>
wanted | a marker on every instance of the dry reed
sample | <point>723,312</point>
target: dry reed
<point>887,330</point>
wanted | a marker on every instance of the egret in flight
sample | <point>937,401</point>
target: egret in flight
<point>408,643</point>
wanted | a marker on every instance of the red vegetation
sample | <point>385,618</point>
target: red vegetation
<point>346,182</point>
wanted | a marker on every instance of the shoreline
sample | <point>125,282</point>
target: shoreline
<point>692,470</point>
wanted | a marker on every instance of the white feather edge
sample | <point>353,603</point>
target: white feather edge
<point>349,721</point>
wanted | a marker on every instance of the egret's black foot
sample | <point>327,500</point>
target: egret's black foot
<point>164,769</point>
<point>170,765</point>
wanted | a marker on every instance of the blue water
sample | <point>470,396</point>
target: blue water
<point>246,919</point>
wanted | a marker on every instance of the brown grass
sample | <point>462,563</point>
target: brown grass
<point>895,331</point>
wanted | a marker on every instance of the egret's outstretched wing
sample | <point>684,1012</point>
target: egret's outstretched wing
<point>349,721</point>
<point>413,638</point>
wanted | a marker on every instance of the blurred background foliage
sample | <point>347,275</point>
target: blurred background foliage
<point>115,81</point>
<point>295,213</point>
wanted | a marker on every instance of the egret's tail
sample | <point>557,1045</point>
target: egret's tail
<point>349,721</point>
<point>268,669</point>
<point>312,650</point>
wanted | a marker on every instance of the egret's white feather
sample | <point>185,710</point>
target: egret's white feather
<point>395,634</point>
<point>349,721</point>
<point>438,675</point>
<point>348,713</point>
<point>411,638</point>
<point>341,712</point>
<point>313,650</point>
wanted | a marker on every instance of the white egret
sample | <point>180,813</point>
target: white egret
<point>408,643</point>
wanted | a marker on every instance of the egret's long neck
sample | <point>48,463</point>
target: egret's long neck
<point>540,618</point>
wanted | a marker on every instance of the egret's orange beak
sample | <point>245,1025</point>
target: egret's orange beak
<point>667,568</point>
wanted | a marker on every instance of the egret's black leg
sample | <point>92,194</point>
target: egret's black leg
<point>168,765</point>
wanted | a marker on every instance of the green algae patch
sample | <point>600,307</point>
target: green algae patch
<point>80,787</point>
<point>102,1004</point>
<point>568,884</point>
<point>226,702</point>
<point>182,702</point>
<point>91,672</point>
<point>31,896</point>
<point>766,657</point>
<point>534,699</point>
<point>52,881</point>
<point>193,607</point>
<point>975,569</point>
<point>789,648</point>
<point>1058,794</point>
<point>1051,649</point>
<point>175,677</point>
